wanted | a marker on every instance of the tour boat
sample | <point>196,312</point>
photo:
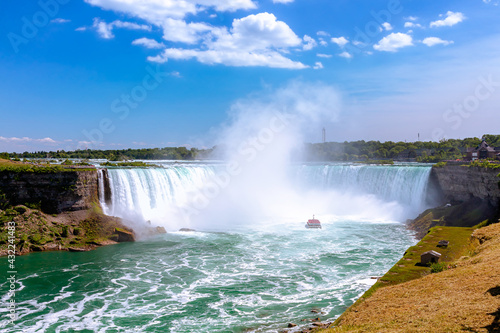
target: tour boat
<point>313,224</point>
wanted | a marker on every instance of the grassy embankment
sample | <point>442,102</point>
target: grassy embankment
<point>462,297</point>
<point>14,166</point>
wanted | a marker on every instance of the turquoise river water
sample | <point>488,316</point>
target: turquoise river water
<point>240,271</point>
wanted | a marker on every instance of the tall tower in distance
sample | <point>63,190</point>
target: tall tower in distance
<point>324,135</point>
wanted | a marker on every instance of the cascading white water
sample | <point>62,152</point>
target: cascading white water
<point>161,194</point>
<point>406,184</point>
<point>151,193</point>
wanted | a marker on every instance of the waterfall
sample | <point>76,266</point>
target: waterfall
<point>148,193</point>
<point>406,184</point>
<point>157,193</point>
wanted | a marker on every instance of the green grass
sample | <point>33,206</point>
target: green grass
<point>440,164</point>
<point>484,164</point>
<point>12,166</point>
<point>389,162</point>
<point>406,268</point>
<point>130,164</point>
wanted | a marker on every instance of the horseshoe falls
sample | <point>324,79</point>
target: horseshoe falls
<point>250,266</point>
<point>175,195</point>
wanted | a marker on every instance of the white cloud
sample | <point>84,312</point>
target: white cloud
<point>323,33</point>
<point>318,65</point>
<point>155,11</point>
<point>60,20</point>
<point>431,41</point>
<point>310,43</point>
<point>130,25</point>
<point>411,18</point>
<point>230,58</point>
<point>412,25</point>
<point>393,42</point>
<point>323,42</point>
<point>105,30</point>
<point>282,1</point>
<point>180,31</point>
<point>254,40</point>
<point>260,31</point>
<point>340,41</point>
<point>322,55</point>
<point>81,29</point>
<point>387,26</point>
<point>450,20</point>
<point>257,39</point>
<point>346,55</point>
<point>148,43</point>
<point>26,140</point>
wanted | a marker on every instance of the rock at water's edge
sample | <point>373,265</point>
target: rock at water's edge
<point>124,235</point>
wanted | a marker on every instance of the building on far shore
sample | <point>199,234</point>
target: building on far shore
<point>483,151</point>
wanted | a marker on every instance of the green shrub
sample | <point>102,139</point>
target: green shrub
<point>482,224</point>
<point>20,209</point>
<point>35,239</point>
<point>65,231</point>
<point>34,205</point>
<point>4,238</point>
<point>438,267</point>
<point>4,202</point>
<point>484,164</point>
<point>440,164</point>
<point>11,212</point>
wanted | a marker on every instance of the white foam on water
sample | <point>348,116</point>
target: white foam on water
<point>369,282</point>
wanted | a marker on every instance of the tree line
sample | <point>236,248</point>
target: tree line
<point>421,151</point>
<point>168,153</point>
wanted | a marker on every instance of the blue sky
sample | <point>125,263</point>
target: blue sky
<point>127,74</point>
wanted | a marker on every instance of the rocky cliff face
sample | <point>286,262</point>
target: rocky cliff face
<point>460,183</point>
<point>473,193</point>
<point>55,192</point>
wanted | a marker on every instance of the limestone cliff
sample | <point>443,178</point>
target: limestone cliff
<point>471,195</point>
<point>54,209</point>
<point>54,192</point>
<point>460,183</point>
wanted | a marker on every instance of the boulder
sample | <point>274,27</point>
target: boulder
<point>76,249</point>
<point>161,230</point>
<point>124,235</point>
